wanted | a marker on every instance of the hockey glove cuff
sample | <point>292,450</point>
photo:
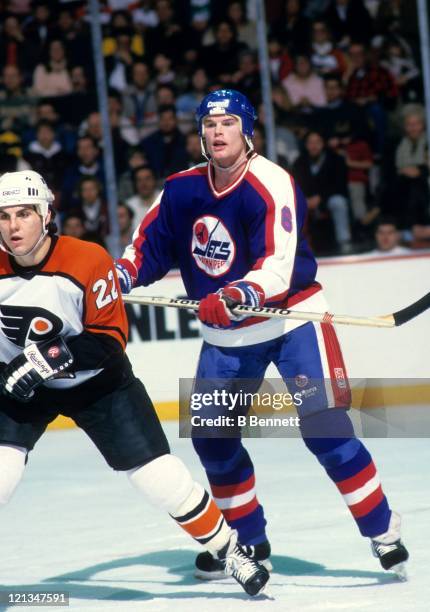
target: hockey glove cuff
<point>36,363</point>
<point>215,308</point>
<point>126,273</point>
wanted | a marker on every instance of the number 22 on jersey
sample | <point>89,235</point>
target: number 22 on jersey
<point>106,290</point>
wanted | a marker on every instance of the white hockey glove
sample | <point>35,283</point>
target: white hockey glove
<point>36,363</point>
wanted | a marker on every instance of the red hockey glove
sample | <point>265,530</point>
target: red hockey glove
<point>215,308</point>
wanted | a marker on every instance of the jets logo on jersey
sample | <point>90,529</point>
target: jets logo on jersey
<point>212,246</point>
<point>28,323</point>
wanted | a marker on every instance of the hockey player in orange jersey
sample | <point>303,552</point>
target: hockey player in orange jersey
<point>63,336</point>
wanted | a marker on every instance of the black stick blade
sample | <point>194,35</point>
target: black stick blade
<point>412,311</point>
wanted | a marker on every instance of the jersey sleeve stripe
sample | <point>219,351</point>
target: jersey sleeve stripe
<point>109,328</point>
<point>270,218</point>
<point>134,251</point>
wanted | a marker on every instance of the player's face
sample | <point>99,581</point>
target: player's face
<point>224,140</point>
<point>20,228</point>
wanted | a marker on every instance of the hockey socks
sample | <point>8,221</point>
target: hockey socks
<point>199,516</point>
<point>350,466</point>
<point>167,484</point>
<point>230,472</point>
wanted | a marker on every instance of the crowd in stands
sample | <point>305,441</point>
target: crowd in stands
<point>347,97</point>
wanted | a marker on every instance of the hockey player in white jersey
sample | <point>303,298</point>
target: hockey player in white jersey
<point>62,351</point>
<point>235,227</point>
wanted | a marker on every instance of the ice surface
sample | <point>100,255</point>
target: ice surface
<point>74,525</point>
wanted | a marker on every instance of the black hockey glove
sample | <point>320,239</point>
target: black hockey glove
<point>36,363</point>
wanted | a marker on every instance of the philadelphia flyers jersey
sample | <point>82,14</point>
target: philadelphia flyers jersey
<point>73,290</point>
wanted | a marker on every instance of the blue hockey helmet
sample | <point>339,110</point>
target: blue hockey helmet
<point>228,102</point>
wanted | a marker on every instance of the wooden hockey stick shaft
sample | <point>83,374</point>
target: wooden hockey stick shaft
<point>391,320</point>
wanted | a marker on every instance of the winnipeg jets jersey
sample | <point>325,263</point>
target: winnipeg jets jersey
<point>72,290</point>
<point>251,230</point>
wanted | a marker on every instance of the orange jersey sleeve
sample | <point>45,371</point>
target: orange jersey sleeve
<point>90,266</point>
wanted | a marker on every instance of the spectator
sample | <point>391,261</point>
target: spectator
<point>293,28</point>
<point>165,95</point>
<point>280,60</point>
<point>16,105</point>
<point>221,59</point>
<point>92,127</point>
<point>80,102</point>
<point>322,175</point>
<point>87,165</point>
<point>46,156</point>
<point>246,30</point>
<point>120,124</point>
<point>120,59</point>
<point>65,134</point>
<point>164,75</point>
<point>411,195</point>
<point>359,161</point>
<point>387,238</point>
<point>165,149</point>
<point>187,103</point>
<point>76,38</point>
<point>11,159</point>
<point>338,112</point>
<point>325,57</point>
<point>194,149</point>
<point>403,69</point>
<point>373,88</point>
<point>93,207</point>
<point>135,158</point>
<point>146,193</point>
<point>304,88</point>
<point>125,223</point>
<point>144,16</point>
<point>73,225</point>
<point>38,28</point>
<point>15,50</point>
<point>395,16</point>
<point>247,78</point>
<point>349,21</point>
<point>139,103</point>
<point>168,36</point>
<point>52,78</point>
<point>287,145</point>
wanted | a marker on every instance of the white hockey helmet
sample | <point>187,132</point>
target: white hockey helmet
<point>26,187</point>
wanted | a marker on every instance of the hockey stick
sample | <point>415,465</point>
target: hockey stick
<point>391,320</point>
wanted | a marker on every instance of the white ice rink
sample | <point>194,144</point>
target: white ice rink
<point>76,526</point>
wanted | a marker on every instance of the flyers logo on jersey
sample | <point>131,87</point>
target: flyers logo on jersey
<point>22,323</point>
<point>212,246</point>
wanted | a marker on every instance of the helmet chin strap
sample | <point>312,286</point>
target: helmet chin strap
<point>236,164</point>
<point>33,248</point>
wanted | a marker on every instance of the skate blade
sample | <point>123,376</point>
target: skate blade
<point>400,571</point>
<point>264,594</point>
<point>202,575</point>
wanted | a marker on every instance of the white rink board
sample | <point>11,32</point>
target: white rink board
<point>353,285</point>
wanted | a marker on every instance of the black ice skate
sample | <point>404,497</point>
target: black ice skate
<point>390,550</point>
<point>209,567</point>
<point>237,563</point>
